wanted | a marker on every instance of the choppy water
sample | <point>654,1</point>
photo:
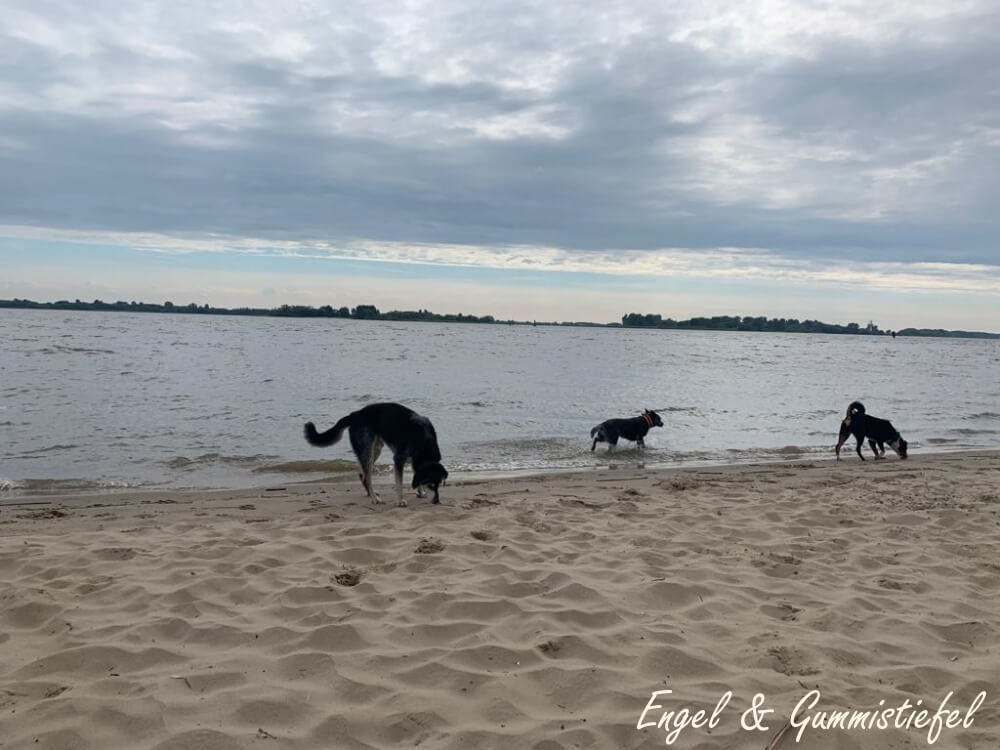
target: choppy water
<point>107,400</point>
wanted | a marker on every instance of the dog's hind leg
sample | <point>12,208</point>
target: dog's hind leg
<point>366,447</point>
<point>845,433</point>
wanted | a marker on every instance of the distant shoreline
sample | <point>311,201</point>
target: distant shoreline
<point>732,323</point>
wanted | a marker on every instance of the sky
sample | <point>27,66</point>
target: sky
<point>563,160</point>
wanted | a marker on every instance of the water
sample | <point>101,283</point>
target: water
<point>112,400</point>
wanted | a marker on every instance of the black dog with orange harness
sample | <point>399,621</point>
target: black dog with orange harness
<point>631,429</point>
<point>877,431</point>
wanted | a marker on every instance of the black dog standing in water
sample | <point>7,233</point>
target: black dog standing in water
<point>630,429</point>
<point>408,435</point>
<point>876,431</point>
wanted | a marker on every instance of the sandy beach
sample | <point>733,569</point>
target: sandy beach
<point>526,612</point>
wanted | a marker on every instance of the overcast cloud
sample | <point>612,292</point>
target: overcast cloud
<point>784,136</point>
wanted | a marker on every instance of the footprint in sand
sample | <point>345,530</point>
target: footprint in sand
<point>629,497</point>
<point>549,647</point>
<point>781,611</point>
<point>790,661</point>
<point>116,553</point>
<point>429,546</point>
<point>349,577</point>
<point>39,515</point>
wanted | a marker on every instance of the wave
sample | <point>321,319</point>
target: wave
<point>333,466</point>
<point>60,349</point>
<point>262,464</point>
<point>787,450</point>
<point>561,454</point>
<point>207,459</point>
<point>49,449</point>
<point>63,486</point>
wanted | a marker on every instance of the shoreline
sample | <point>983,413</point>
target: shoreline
<point>11,497</point>
<point>538,612</point>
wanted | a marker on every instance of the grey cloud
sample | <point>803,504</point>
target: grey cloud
<point>336,148</point>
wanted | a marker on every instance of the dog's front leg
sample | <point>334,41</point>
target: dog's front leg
<point>397,470</point>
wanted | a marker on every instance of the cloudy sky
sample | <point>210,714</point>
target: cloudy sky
<point>562,160</point>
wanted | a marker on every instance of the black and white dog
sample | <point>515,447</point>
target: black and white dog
<point>408,435</point>
<point>630,429</point>
<point>876,431</point>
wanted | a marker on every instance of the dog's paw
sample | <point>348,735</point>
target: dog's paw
<point>420,492</point>
<point>401,502</point>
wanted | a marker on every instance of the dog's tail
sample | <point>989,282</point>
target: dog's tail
<point>329,437</point>
<point>855,409</point>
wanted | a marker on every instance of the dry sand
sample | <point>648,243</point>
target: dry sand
<point>523,613</point>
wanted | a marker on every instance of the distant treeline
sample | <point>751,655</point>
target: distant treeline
<point>370,312</point>
<point>746,323</point>
<point>786,325</point>
<point>949,334</point>
<point>361,312</point>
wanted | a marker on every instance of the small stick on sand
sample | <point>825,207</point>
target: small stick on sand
<point>777,738</point>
